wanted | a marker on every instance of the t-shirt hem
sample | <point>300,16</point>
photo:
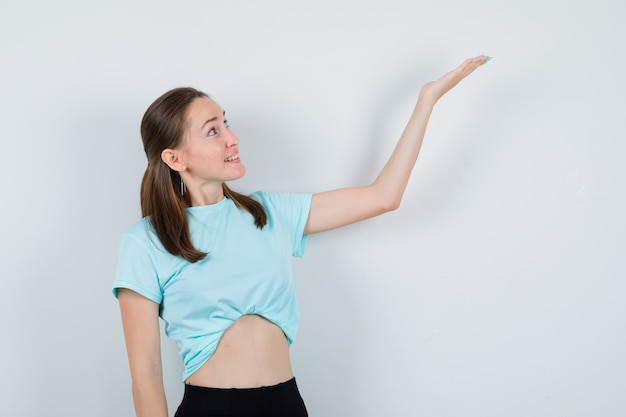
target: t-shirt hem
<point>137,289</point>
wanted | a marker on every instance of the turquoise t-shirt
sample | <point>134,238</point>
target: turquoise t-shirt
<point>246,271</point>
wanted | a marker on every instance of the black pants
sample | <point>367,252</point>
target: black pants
<point>282,400</point>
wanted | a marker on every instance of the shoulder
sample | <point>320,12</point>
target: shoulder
<point>260,196</point>
<point>279,201</point>
<point>291,209</point>
<point>140,228</point>
<point>141,232</point>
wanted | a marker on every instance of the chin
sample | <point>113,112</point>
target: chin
<point>240,174</point>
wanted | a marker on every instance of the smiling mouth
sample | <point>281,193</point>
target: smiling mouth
<point>232,158</point>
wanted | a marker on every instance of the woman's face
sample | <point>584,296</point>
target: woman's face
<point>210,152</point>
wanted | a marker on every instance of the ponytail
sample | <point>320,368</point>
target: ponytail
<point>166,209</point>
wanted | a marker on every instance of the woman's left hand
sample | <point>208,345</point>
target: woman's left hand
<point>431,92</point>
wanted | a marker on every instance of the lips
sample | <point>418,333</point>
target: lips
<point>232,158</point>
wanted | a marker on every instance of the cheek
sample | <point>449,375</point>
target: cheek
<point>207,152</point>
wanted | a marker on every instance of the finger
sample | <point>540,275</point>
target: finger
<point>480,60</point>
<point>466,67</point>
<point>470,65</point>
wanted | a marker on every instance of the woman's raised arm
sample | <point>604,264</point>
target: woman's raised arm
<point>140,318</point>
<point>343,206</point>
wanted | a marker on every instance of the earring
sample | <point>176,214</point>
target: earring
<point>182,186</point>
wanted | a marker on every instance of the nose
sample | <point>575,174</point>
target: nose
<point>231,139</point>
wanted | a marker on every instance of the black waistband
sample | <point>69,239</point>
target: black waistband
<point>237,400</point>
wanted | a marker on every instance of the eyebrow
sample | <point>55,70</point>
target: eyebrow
<point>211,120</point>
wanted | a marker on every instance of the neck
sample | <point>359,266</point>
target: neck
<point>206,196</point>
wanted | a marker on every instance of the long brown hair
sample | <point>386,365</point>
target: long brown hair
<point>163,127</point>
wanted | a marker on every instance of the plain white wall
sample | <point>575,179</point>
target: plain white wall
<point>496,289</point>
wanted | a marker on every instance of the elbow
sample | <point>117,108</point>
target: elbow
<point>390,204</point>
<point>384,199</point>
<point>395,205</point>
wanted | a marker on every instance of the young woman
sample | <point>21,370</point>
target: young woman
<point>215,264</point>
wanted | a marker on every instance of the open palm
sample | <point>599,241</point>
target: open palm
<point>434,90</point>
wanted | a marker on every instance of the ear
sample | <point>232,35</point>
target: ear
<point>173,159</point>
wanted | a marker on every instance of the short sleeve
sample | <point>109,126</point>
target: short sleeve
<point>300,216</point>
<point>293,210</point>
<point>136,269</point>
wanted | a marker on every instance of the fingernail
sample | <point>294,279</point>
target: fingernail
<point>487,59</point>
<point>475,59</point>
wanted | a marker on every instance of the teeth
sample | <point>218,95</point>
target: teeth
<point>232,158</point>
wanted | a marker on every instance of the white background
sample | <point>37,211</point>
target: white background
<point>496,289</point>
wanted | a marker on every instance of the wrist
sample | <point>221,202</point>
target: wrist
<point>426,99</point>
<point>424,104</point>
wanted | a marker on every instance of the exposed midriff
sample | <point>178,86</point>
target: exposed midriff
<point>253,352</point>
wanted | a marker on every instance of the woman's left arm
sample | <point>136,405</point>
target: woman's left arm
<point>336,208</point>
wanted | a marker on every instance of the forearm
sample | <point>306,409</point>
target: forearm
<point>340,207</point>
<point>392,180</point>
<point>149,398</point>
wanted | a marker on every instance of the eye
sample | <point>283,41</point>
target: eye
<point>212,132</point>
<point>226,124</point>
